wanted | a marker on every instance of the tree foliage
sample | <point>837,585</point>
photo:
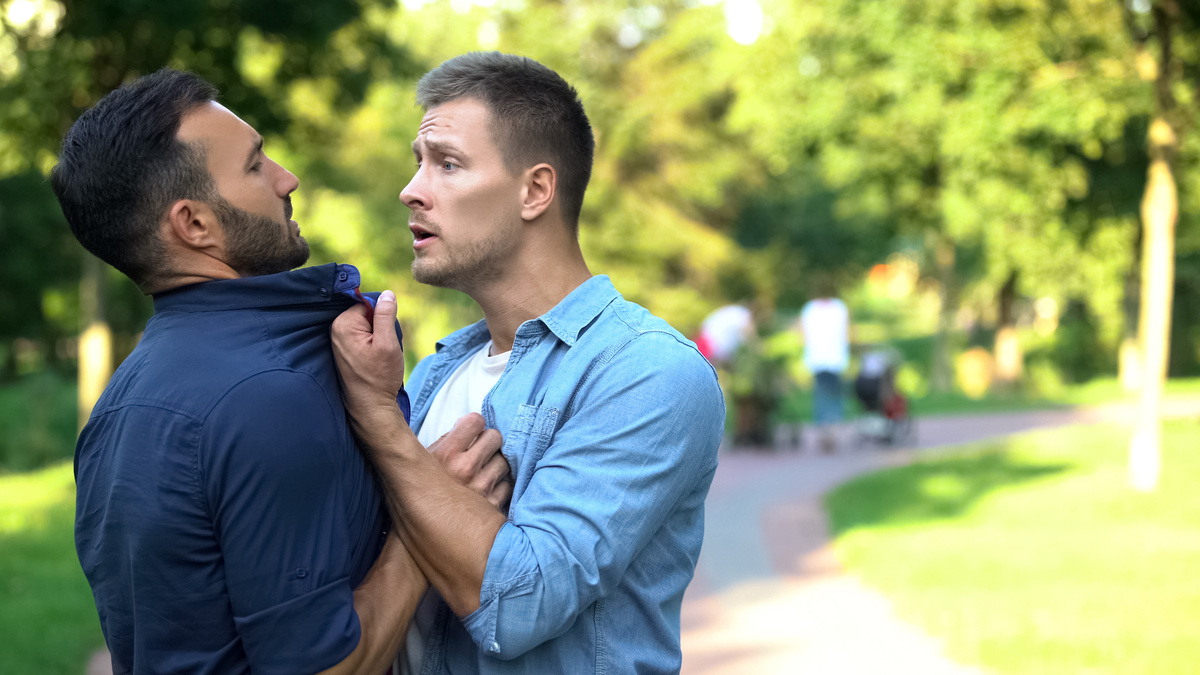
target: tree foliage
<point>731,161</point>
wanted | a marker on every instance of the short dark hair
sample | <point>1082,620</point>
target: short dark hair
<point>121,168</point>
<point>536,116</point>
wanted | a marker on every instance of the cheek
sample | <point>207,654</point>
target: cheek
<point>493,202</point>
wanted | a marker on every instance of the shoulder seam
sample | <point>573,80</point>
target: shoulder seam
<point>142,403</point>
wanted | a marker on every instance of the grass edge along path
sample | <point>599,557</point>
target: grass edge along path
<point>1031,556</point>
<point>48,621</point>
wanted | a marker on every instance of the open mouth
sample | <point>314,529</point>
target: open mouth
<point>420,235</point>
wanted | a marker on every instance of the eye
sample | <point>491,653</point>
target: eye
<point>449,166</point>
<point>257,166</point>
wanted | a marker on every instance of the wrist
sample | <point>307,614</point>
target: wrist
<point>382,427</point>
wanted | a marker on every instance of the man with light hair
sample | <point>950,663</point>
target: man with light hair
<point>611,418</point>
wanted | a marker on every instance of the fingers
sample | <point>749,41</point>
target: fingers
<point>459,439</point>
<point>493,480</point>
<point>494,470</point>
<point>349,322</point>
<point>368,355</point>
<point>385,320</point>
<point>471,454</point>
<point>501,495</point>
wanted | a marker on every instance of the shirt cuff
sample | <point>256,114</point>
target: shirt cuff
<point>308,633</point>
<point>506,577</point>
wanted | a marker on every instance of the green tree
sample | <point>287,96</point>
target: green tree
<point>968,123</point>
<point>273,61</point>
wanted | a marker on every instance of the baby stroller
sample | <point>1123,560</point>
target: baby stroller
<point>886,419</point>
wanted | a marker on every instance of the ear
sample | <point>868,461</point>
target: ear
<point>541,184</point>
<point>193,224</point>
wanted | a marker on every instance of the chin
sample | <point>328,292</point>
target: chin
<point>430,276</point>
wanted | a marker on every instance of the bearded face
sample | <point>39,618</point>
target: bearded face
<point>258,245</point>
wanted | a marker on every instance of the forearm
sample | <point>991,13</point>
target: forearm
<point>448,528</point>
<point>384,602</point>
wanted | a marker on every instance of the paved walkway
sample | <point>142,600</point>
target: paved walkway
<point>769,594</point>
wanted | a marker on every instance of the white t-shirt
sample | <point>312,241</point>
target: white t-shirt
<point>826,326</point>
<point>462,393</point>
<point>725,329</point>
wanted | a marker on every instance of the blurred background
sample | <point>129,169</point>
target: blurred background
<point>1000,191</point>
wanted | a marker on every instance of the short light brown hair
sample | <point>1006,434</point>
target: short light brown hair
<point>536,116</point>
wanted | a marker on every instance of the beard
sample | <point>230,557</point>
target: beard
<point>466,266</point>
<point>256,245</point>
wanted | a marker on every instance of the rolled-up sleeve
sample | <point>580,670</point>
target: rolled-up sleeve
<point>642,434</point>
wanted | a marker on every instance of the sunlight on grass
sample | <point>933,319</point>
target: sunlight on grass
<point>1033,556</point>
<point>26,499</point>
<point>48,622</point>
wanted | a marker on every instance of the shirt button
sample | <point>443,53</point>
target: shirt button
<point>495,647</point>
<point>342,276</point>
<point>324,292</point>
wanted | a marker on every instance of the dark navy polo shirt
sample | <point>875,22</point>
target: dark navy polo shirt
<point>224,515</point>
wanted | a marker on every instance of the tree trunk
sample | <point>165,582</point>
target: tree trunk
<point>941,377</point>
<point>1160,210</point>
<point>1159,213</point>
<point>1010,362</point>
<point>95,341</point>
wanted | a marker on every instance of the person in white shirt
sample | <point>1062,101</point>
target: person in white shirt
<point>825,323</point>
<point>724,330</point>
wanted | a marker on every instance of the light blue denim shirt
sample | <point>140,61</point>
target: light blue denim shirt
<point>611,422</point>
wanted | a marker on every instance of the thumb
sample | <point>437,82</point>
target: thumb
<point>384,325</point>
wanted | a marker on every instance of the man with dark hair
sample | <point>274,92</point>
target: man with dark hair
<point>225,518</point>
<point>611,418</point>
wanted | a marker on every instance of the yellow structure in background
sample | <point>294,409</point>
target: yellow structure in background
<point>95,367</point>
<point>973,372</point>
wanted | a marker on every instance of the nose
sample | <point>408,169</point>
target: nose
<point>414,195</point>
<point>288,182</point>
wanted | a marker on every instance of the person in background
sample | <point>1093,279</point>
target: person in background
<point>825,324</point>
<point>723,331</point>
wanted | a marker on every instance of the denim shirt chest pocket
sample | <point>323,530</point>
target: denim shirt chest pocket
<point>530,434</point>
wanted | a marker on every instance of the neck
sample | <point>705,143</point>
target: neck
<point>193,270</point>
<point>527,292</point>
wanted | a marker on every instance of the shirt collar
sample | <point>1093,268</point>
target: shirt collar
<point>581,306</point>
<point>308,285</point>
<point>566,320</point>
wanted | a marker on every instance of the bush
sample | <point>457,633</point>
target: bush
<point>37,415</point>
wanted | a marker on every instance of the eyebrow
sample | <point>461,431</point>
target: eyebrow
<point>444,147</point>
<point>254,152</point>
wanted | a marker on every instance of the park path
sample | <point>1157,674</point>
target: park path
<point>769,594</point>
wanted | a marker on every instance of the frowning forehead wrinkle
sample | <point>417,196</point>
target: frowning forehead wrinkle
<point>443,147</point>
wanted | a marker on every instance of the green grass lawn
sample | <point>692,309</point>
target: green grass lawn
<point>48,623</point>
<point>1032,555</point>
